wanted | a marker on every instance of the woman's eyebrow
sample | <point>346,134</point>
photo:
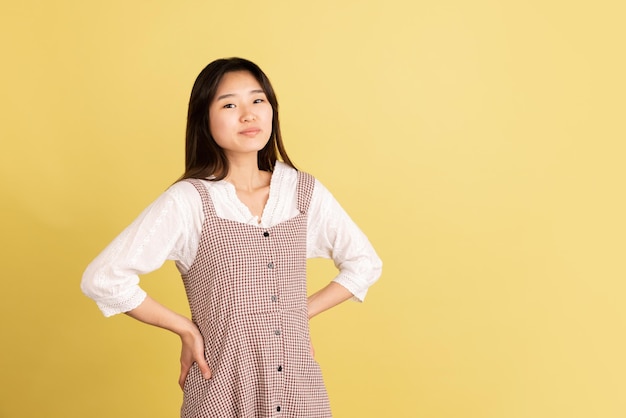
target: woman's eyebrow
<point>227,95</point>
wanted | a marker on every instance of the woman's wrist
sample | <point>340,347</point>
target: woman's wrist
<point>187,328</point>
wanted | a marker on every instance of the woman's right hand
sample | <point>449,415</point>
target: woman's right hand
<point>192,351</point>
<point>152,312</point>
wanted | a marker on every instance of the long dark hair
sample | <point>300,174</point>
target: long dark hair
<point>203,157</point>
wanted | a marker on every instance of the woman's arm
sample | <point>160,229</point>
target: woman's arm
<point>332,234</point>
<point>153,313</point>
<point>331,295</point>
<point>168,229</point>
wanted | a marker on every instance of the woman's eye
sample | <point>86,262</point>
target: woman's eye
<point>259,101</point>
<point>229,106</point>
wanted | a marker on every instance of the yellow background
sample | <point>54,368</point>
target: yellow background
<point>479,144</point>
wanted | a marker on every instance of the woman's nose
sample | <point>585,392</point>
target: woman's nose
<point>247,115</point>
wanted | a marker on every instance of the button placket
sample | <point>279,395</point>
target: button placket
<point>272,273</point>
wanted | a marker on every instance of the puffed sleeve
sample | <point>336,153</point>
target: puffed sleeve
<point>163,231</point>
<point>332,234</point>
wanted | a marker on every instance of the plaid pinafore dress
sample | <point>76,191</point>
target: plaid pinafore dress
<point>247,294</point>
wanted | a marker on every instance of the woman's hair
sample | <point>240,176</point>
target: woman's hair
<point>203,157</point>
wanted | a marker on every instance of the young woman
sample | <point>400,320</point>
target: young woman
<point>240,225</point>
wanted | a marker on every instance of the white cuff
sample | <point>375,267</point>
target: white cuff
<point>124,303</point>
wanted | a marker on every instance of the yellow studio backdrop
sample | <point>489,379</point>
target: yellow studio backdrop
<point>479,145</point>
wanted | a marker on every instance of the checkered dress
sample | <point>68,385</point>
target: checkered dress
<point>247,294</point>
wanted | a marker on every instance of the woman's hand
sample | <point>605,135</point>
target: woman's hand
<point>153,313</point>
<point>192,351</point>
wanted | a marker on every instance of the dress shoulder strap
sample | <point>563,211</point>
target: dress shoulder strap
<point>306,184</point>
<point>207,203</point>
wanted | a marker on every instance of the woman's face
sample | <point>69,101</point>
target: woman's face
<point>240,117</point>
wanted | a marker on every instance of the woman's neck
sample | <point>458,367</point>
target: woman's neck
<point>246,176</point>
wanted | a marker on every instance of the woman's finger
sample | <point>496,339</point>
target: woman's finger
<point>184,371</point>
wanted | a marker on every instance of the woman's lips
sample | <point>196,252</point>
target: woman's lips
<point>250,131</point>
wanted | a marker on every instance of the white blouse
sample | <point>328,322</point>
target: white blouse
<point>170,229</point>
